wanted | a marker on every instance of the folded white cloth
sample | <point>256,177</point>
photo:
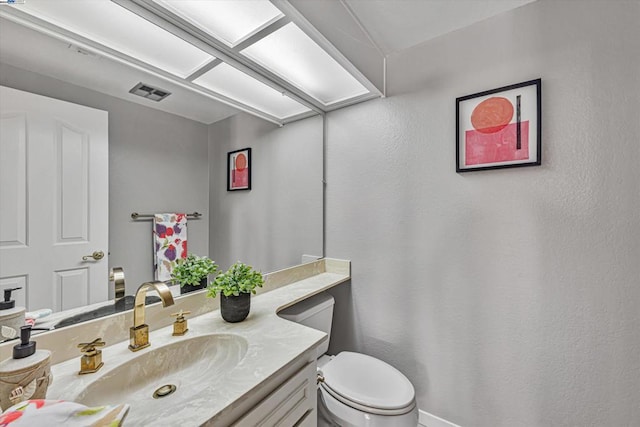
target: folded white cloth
<point>53,413</point>
<point>169,242</point>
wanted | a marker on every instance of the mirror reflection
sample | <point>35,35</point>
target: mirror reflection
<point>152,157</point>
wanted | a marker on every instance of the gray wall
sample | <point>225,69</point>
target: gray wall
<point>157,163</point>
<point>280,219</point>
<point>512,297</point>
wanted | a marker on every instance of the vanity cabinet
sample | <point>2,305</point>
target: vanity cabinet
<point>292,403</point>
<point>271,380</point>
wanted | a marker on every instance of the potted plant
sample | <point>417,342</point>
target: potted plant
<point>191,272</point>
<point>235,287</point>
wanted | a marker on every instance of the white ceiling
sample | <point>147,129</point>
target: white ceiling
<point>54,58</point>
<point>394,25</point>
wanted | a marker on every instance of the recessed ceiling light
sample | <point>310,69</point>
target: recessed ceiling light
<point>294,56</point>
<point>115,27</point>
<point>230,21</point>
<point>228,81</point>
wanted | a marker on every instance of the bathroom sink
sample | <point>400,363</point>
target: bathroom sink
<point>165,376</point>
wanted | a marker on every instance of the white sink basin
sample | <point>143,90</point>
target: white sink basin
<point>181,364</point>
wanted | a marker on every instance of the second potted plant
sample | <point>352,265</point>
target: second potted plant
<point>235,287</point>
<point>191,272</point>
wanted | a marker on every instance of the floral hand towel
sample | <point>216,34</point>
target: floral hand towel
<point>50,413</point>
<point>170,242</point>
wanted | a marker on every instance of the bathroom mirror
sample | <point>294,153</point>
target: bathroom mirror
<point>171,156</point>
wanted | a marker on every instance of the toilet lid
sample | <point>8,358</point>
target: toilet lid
<point>368,381</point>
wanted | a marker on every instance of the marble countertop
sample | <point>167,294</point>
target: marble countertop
<point>273,345</point>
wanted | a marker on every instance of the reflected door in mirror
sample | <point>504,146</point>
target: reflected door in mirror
<point>53,201</point>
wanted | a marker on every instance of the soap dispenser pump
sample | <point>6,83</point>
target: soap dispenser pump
<point>27,375</point>
<point>26,347</point>
<point>10,316</point>
<point>8,302</point>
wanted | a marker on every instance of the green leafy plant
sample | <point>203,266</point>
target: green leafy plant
<point>192,269</point>
<point>239,279</point>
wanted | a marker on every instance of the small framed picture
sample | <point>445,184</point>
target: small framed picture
<point>239,170</point>
<point>499,128</point>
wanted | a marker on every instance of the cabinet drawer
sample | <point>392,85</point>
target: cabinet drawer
<point>287,404</point>
<point>310,419</point>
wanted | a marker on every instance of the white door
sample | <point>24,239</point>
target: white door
<point>53,201</point>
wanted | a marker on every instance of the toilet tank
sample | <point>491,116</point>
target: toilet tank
<point>315,312</point>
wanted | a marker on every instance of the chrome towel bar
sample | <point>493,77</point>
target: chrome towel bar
<point>136,215</point>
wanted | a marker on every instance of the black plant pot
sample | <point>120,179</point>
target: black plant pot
<point>185,289</point>
<point>235,308</point>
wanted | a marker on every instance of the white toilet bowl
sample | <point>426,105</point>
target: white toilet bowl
<point>359,390</point>
<point>356,390</point>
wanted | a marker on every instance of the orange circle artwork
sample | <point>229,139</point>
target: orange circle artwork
<point>241,162</point>
<point>492,115</point>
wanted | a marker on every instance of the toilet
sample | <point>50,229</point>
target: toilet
<point>355,390</point>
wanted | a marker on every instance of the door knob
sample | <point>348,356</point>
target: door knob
<point>96,255</point>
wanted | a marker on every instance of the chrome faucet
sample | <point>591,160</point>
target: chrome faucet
<point>139,332</point>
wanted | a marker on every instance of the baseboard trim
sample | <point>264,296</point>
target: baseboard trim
<point>429,420</point>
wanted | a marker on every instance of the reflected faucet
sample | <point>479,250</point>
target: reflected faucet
<point>139,332</point>
<point>116,275</point>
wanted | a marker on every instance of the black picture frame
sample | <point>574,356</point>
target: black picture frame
<point>242,182</point>
<point>487,138</point>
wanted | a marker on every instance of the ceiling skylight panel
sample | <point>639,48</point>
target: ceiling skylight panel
<point>294,56</point>
<point>230,21</point>
<point>115,27</point>
<point>230,82</point>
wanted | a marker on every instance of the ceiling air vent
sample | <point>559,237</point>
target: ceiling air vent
<point>146,91</point>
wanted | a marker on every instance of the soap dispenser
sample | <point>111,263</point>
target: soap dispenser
<point>10,316</point>
<point>27,375</point>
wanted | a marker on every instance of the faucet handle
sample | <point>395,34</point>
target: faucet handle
<point>180,325</point>
<point>90,347</point>
<point>180,315</point>
<point>91,360</point>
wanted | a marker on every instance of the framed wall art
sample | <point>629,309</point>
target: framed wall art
<point>239,170</point>
<point>499,128</point>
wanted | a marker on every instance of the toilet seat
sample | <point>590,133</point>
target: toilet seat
<point>368,384</point>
